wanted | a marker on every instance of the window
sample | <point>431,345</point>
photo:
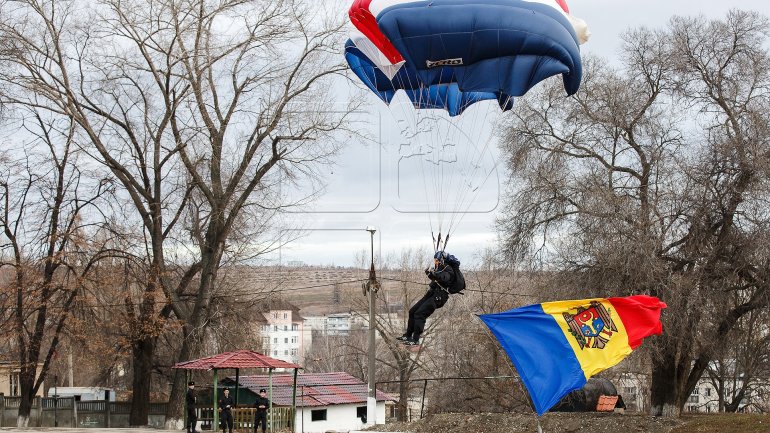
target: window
<point>695,391</point>
<point>275,353</point>
<point>275,315</point>
<point>275,340</point>
<point>361,413</point>
<point>293,352</point>
<point>293,339</point>
<point>295,327</point>
<point>14,384</point>
<point>692,399</point>
<point>318,415</point>
<point>285,327</point>
<point>631,390</point>
<point>285,315</point>
<point>707,391</point>
<point>286,340</point>
<point>275,327</point>
<point>286,352</point>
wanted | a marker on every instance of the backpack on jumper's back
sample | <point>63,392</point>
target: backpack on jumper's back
<point>459,283</point>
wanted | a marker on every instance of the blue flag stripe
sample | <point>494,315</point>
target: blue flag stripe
<point>540,352</point>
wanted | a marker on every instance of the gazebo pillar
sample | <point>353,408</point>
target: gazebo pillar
<point>215,425</point>
<point>237,383</point>
<point>294,401</point>
<point>270,398</point>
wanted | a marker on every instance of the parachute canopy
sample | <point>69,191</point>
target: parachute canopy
<point>447,96</point>
<point>452,53</point>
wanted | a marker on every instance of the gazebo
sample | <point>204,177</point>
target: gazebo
<point>236,361</point>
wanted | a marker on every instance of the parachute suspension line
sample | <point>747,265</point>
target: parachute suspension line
<point>409,130</point>
<point>469,195</point>
<point>467,189</point>
<point>446,148</point>
<point>466,211</point>
<point>423,152</point>
<point>474,192</point>
<point>433,236</point>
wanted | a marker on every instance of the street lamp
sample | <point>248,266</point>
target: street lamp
<point>371,287</point>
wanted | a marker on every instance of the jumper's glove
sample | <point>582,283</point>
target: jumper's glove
<point>432,275</point>
<point>427,271</point>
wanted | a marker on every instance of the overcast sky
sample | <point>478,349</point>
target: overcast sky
<point>383,183</point>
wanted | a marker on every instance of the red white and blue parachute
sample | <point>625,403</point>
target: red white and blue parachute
<point>450,54</point>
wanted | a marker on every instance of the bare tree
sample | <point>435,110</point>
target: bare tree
<point>740,370</point>
<point>270,120</point>
<point>650,180</point>
<point>48,240</point>
<point>65,65</point>
<point>177,97</point>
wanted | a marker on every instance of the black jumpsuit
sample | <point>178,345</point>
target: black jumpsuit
<point>434,299</point>
<point>192,418</point>
<point>260,416</point>
<point>226,404</point>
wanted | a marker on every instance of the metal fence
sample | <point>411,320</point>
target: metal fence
<point>67,412</point>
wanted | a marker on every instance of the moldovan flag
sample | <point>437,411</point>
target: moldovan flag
<point>557,346</point>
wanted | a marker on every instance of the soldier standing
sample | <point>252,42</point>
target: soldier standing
<point>190,399</point>
<point>226,404</point>
<point>262,404</point>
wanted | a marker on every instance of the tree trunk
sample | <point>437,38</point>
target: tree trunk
<point>143,352</point>
<point>403,391</point>
<point>721,392</point>
<point>666,383</point>
<point>26,386</point>
<point>211,255</point>
<point>175,408</point>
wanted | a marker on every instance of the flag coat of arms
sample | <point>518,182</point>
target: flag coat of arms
<point>557,346</point>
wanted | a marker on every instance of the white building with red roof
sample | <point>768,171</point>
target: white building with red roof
<point>325,401</point>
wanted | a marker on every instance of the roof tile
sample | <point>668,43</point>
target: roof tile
<point>236,359</point>
<point>313,389</point>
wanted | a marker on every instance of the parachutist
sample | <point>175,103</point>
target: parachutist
<point>446,279</point>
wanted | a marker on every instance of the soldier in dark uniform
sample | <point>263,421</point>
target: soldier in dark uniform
<point>192,418</point>
<point>260,416</point>
<point>226,405</point>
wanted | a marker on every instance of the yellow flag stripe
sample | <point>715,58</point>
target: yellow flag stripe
<point>592,359</point>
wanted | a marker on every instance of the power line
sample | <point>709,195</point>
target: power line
<point>467,290</point>
<point>272,291</point>
<point>224,295</point>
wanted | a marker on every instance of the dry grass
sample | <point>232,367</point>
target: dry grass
<point>583,423</point>
<point>725,423</point>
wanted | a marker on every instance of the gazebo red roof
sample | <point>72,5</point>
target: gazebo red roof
<point>236,359</point>
<point>316,389</point>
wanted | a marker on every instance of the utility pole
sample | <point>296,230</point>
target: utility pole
<point>371,287</point>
